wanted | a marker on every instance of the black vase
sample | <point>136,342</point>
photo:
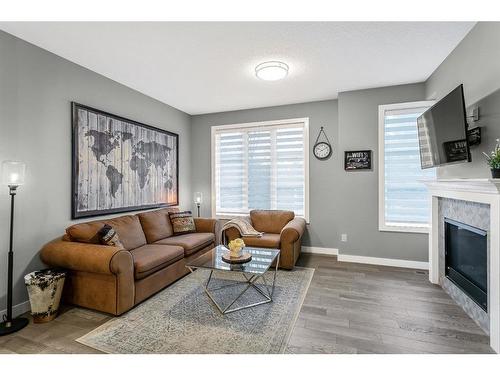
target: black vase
<point>495,173</point>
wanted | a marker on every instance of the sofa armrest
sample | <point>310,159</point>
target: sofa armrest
<point>85,257</point>
<point>205,225</point>
<point>232,233</point>
<point>293,231</point>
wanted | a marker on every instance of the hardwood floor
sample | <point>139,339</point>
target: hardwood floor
<point>357,308</point>
<point>349,308</point>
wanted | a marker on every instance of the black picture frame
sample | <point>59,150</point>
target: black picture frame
<point>455,150</point>
<point>77,213</point>
<point>357,160</point>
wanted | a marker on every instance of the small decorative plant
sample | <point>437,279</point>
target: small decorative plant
<point>493,160</point>
<point>235,247</point>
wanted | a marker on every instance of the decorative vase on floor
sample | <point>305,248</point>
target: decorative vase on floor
<point>44,290</point>
<point>495,173</point>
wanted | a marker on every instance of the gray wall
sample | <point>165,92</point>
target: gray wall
<point>348,202</point>
<point>340,202</point>
<point>324,199</point>
<point>358,210</point>
<point>475,62</point>
<point>36,88</point>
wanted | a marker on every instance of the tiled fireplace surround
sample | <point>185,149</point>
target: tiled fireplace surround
<point>476,215</point>
<point>475,202</point>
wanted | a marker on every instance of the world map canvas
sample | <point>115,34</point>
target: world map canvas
<point>121,165</point>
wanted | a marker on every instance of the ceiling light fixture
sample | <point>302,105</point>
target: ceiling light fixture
<point>271,70</point>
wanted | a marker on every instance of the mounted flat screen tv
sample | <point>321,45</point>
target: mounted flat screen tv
<point>442,132</point>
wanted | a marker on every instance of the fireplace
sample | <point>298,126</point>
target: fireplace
<point>466,260</point>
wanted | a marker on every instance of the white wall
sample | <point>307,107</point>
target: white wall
<point>36,89</point>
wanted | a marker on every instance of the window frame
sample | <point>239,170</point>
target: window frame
<point>255,125</point>
<point>382,225</point>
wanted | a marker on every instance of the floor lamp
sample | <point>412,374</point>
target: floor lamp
<point>13,173</point>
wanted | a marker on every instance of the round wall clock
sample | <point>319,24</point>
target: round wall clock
<point>322,150</point>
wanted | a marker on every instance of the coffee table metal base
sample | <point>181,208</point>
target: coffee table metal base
<point>250,282</point>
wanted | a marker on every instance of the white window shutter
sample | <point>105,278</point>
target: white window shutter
<point>262,166</point>
<point>406,201</point>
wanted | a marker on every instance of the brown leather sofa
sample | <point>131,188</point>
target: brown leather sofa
<point>114,280</point>
<point>282,230</point>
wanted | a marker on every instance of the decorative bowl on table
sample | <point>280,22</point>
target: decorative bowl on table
<point>236,254</point>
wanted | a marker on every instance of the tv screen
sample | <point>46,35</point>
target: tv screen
<point>442,132</point>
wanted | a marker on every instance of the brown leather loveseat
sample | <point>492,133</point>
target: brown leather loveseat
<point>282,230</point>
<point>114,280</point>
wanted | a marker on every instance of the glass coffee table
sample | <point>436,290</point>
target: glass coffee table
<point>251,272</point>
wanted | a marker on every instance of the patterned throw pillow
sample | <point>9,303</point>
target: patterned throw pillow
<point>108,236</point>
<point>182,222</point>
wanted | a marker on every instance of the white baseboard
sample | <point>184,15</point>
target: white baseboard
<point>383,261</point>
<point>17,310</point>
<point>320,250</point>
<point>366,260</point>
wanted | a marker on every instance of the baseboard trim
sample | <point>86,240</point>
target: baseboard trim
<point>384,261</point>
<point>18,309</point>
<point>320,250</point>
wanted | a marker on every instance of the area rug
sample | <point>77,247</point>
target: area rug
<point>182,319</point>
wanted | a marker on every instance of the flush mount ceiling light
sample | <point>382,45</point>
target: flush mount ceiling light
<point>271,70</point>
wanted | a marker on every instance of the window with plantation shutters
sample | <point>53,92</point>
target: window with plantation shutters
<point>404,203</point>
<point>260,166</point>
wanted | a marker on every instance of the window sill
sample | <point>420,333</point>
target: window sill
<point>229,216</point>
<point>404,228</point>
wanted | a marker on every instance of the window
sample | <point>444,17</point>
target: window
<point>404,203</point>
<point>261,165</point>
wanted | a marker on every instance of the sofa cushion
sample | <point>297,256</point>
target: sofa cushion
<point>128,228</point>
<point>191,242</point>
<point>269,240</point>
<point>151,258</point>
<point>156,224</point>
<point>270,221</point>
<point>182,222</point>
<point>108,236</point>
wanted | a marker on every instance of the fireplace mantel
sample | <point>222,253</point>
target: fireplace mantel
<point>471,185</point>
<point>485,191</point>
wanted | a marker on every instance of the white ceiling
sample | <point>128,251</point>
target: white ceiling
<point>203,67</point>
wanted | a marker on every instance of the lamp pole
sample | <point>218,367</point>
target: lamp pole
<point>14,179</point>
<point>12,192</point>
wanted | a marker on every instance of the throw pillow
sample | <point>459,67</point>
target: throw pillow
<point>182,222</point>
<point>108,236</point>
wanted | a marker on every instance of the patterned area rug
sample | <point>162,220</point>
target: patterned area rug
<point>182,319</point>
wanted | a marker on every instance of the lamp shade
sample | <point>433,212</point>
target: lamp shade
<point>13,173</point>
<point>198,197</point>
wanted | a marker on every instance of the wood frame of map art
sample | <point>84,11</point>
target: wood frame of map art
<point>121,165</point>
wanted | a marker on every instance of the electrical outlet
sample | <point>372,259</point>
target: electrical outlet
<point>343,238</point>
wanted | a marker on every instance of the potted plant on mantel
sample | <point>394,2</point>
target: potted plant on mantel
<point>493,160</point>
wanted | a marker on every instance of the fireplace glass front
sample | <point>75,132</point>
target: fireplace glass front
<point>466,260</point>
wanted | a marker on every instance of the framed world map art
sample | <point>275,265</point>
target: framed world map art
<point>121,165</point>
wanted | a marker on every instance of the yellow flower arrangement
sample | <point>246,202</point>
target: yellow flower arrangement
<point>235,247</point>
